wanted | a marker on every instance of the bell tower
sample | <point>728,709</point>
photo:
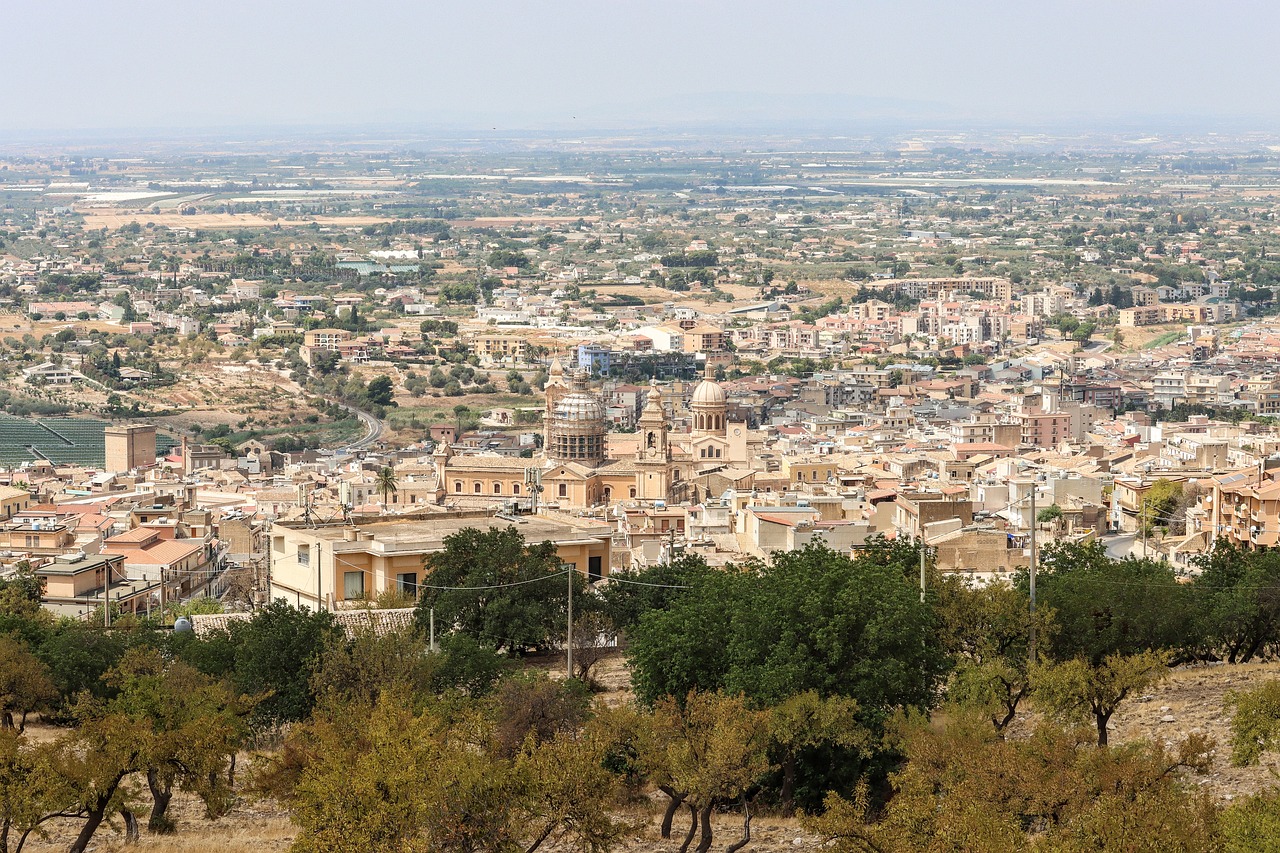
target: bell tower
<point>653,458</point>
<point>653,427</point>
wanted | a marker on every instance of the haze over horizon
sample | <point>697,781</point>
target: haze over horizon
<point>509,65</point>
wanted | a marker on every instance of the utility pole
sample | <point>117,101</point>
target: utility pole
<point>568,648</point>
<point>432,644</point>
<point>1032,585</point>
<point>1142,523</point>
<point>319,578</point>
<point>923,549</point>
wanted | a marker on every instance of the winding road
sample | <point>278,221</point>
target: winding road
<point>372,426</point>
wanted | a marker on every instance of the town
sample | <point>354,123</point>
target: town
<point>215,363</point>
<point>272,418</point>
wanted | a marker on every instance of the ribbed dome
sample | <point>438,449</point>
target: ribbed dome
<point>709,392</point>
<point>579,407</point>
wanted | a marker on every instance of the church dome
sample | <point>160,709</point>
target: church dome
<point>709,392</point>
<point>577,426</point>
<point>579,407</point>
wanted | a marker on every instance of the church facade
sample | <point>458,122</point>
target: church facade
<point>583,465</point>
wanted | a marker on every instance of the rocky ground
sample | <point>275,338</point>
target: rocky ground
<point>1191,702</point>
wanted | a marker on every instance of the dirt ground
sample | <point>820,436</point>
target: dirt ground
<point>1191,702</point>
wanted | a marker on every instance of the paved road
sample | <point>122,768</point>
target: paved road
<point>1118,547</point>
<point>372,426</point>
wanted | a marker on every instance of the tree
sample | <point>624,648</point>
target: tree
<point>78,656</point>
<point>630,595</point>
<point>1158,503</point>
<point>987,630</point>
<point>1255,723</point>
<point>595,637</point>
<point>380,391</point>
<point>95,760</point>
<point>1104,607</point>
<point>25,683</point>
<point>386,483</point>
<point>32,792</point>
<point>356,672</point>
<point>1051,513</point>
<point>189,727</point>
<point>532,708</point>
<point>502,592</point>
<point>1252,824</point>
<point>1237,596</point>
<point>807,721</point>
<point>684,645</point>
<point>325,361</point>
<point>275,653</point>
<point>1076,688</point>
<point>709,750</point>
<point>393,779</point>
<point>1119,624</point>
<point>21,591</point>
<point>815,619</point>
<point>963,787</point>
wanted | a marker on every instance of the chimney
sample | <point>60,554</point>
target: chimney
<point>186,459</point>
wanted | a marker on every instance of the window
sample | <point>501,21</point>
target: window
<point>407,583</point>
<point>353,584</point>
<point>304,555</point>
<point>594,571</point>
<point>497,488</point>
<point>631,493</point>
<point>476,488</point>
<point>457,485</point>
<point>564,490</point>
<point>515,488</point>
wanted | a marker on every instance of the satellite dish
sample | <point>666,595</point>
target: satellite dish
<point>182,626</point>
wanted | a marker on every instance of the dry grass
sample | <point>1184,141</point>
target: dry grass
<point>250,828</point>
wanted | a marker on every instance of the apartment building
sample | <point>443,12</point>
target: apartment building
<point>932,288</point>
<point>501,349</point>
<point>329,564</point>
<point>1139,315</point>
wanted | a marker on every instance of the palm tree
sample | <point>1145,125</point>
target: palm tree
<point>386,483</point>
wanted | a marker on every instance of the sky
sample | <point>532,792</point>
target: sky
<point>75,65</point>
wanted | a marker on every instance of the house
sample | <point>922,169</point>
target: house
<point>48,373</point>
<point>76,586</point>
<point>331,563</point>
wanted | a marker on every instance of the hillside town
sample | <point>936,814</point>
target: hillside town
<point>297,385</point>
<point>510,427</point>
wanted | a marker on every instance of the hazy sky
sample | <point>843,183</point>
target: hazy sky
<point>75,64</point>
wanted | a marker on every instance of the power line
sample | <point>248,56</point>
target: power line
<point>499,585</point>
<point>617,579</point>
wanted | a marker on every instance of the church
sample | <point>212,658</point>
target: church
<point>583,465</point>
